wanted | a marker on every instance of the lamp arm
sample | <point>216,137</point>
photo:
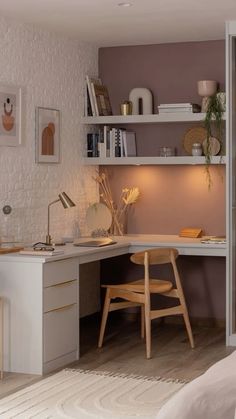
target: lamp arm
<point>48,237</point>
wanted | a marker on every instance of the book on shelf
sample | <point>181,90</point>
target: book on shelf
<point>213,240</point>
<point>106,133</point>
<point>92,144</point>
<point>179,107</point>
<point>90,98</point>
<point>87,103</point>
<point>101,144</point>
<point>111,142</point>
<point>101,100</point>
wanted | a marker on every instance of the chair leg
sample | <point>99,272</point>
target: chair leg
<point>104,318</point>
<point>142,322</point>
<point>189,329</point>
<point>148,332</point>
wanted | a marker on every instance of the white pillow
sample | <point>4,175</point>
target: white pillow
<point>210,396</point>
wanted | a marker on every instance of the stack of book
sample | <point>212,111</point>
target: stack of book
<point>97,102</point>
<point>179,107</point>
<point>111,142</point>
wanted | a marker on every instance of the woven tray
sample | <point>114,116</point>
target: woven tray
<point>193,135</point>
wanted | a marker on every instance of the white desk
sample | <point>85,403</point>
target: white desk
<point>42,298</point>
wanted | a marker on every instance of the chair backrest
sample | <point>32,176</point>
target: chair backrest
<point>155,256</point>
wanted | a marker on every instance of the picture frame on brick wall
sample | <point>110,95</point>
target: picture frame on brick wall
<point>10,118</point>
<point>47,132</point>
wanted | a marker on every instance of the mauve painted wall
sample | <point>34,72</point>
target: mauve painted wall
<point>172,197</point>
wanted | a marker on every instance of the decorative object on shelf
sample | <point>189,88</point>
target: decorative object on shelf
<point>101,100</point>
<point>221,97</point>
<point>47,135</point>
<point>139,94</point>
<point>98,219</point>
<point>206,89</point>
<point>119,211</point>
<point>90,109</point>
<point>197,149</point>
<point>213,119</point>
<point>126,108</point>
<point>211,146</point>
<point>10,125</point>
<point>67,203</point>
<point>193,135</point>
<point>167,151</point>
<point>213,122</point>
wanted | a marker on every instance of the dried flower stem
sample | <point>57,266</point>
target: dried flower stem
<point>127,198</point>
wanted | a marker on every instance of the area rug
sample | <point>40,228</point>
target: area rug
<point>89,394</point>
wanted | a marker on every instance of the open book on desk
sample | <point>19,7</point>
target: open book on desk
<point>96,243</point>
<point>34,252</point>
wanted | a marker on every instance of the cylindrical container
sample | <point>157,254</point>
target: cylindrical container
<point>196,149</point>
<point>126,108</point>
<point>167,151</point>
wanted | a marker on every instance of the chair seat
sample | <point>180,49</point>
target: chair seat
<point>156,286</point>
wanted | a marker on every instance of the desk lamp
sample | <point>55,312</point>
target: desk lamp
<point>67,203</point>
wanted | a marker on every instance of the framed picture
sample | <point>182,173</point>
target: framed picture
<point>47,135</point>
<point>10,118</point>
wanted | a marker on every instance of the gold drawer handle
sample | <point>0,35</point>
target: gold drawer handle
<point>61,308</point>
<point>62,284</point>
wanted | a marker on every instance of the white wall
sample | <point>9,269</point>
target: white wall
<point>51,71</point>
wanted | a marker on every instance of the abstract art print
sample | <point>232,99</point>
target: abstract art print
<point>47,135</point>
<point>10,115</point>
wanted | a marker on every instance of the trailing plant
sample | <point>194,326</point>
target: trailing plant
<point>213,123</point>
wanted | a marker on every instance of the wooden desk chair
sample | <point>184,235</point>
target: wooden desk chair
<point>138,293</point>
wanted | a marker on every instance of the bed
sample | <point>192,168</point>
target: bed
<point>210,396</point>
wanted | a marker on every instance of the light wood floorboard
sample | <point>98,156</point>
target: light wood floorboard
<point>124,352</point>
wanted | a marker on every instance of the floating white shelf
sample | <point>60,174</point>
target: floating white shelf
<point>175,160</point>
<point>145,119</point>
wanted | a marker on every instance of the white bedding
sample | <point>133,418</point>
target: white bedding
<point>210,396</point>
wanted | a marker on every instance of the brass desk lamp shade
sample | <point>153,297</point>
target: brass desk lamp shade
<point>67,203</point>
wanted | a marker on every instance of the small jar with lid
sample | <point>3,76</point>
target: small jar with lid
<point>196,149</point>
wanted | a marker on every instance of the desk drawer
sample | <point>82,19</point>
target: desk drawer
<point>59,295</point>
<point>60,271</point>
<point>60,332</point>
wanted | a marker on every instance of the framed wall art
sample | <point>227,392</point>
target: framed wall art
<point>10,118</point>
<point>47,135</point>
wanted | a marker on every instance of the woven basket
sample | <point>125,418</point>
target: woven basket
<point>193,135</point>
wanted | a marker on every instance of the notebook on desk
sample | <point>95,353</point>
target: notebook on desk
<point>95,243</point>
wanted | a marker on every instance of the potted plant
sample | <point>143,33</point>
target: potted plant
<point>213,123</point>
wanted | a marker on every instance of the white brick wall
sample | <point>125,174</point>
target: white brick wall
<point>51,71</point>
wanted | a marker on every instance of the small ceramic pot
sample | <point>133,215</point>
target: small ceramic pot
<point>206,87</point>
<point>126,108</point>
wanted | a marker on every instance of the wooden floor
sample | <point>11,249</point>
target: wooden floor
<point>124,352</point>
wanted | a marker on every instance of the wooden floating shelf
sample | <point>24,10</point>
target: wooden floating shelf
<point>145,119</point>
<point>175,160</point>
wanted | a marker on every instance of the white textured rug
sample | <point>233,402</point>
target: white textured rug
<point>89,394</point>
